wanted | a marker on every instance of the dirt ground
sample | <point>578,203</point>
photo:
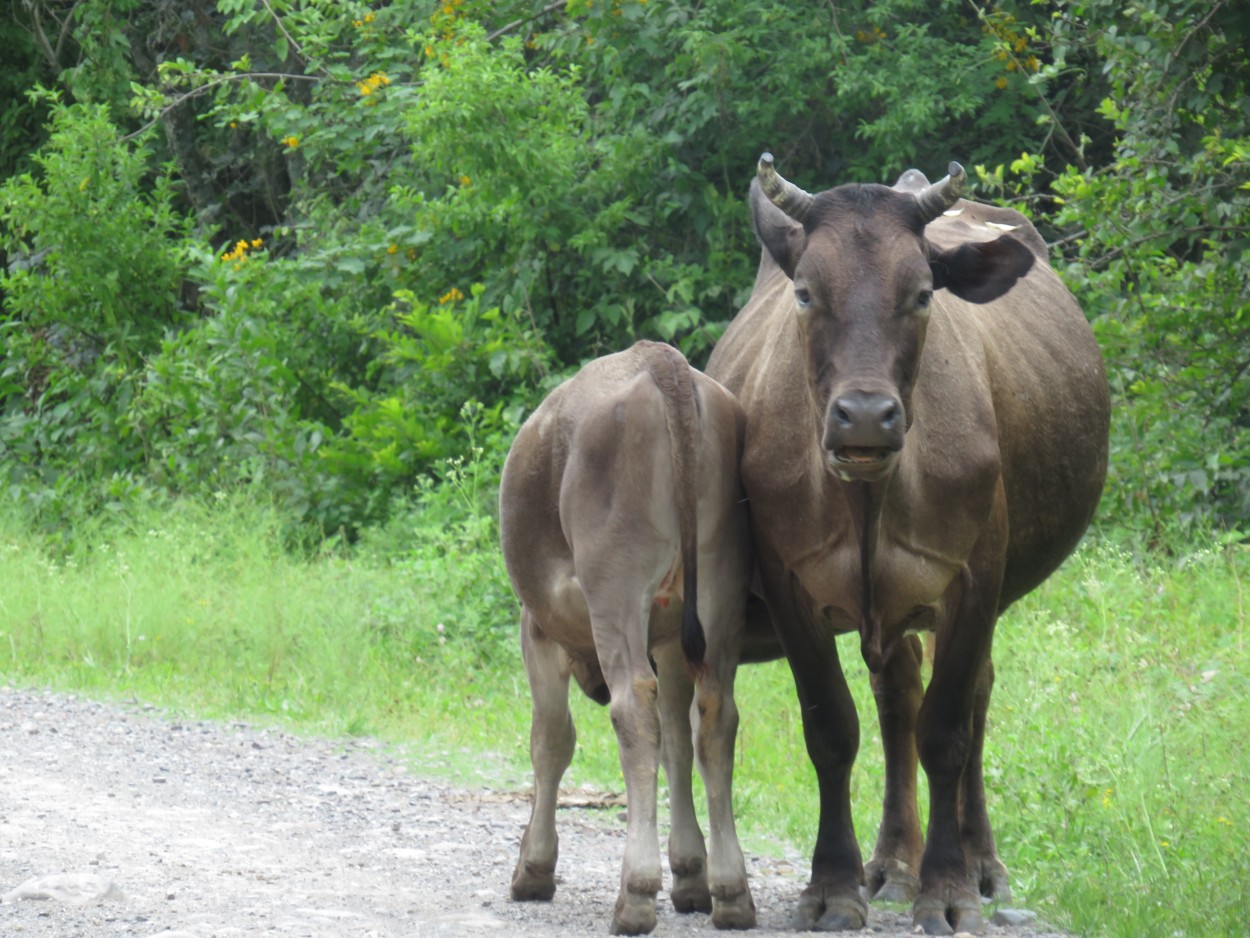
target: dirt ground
<point>118,820</point>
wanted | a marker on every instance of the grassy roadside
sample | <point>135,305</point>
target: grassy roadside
<point>1116,777</point>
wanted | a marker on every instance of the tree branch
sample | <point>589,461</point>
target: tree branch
<point>209,86</point>
<point>549,8</point>
<point>1041,96</point>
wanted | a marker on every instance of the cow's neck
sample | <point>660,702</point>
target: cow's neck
<point>865,500</point>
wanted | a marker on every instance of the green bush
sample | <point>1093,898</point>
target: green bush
<point>97,264</point>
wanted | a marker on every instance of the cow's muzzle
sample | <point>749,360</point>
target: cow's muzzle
<point>863,433</point>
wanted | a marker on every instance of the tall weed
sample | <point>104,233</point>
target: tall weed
<point>1113,762</point>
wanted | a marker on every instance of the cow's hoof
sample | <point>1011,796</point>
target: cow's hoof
<point>890,880</point>
<point>533,884</point>
<point>690,894</point>
<point>737,912</point>
<point>937,916</point>
<point>821,910</point>
<point>992,880</point>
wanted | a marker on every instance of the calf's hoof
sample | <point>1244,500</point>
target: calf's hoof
<point>533,883</point>
<point>890,880</point>
<point>691,895</point>
<point>634,915</point>
<point>734,912</point>
<point>690,891</point>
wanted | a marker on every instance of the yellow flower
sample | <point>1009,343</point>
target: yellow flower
<point>451,296</point>
<point>465,181</point>
<point>392,249</point>
<point>1001,83</point>
<point>373,83</point>
<point>291,141</point>
<point>257,242</point>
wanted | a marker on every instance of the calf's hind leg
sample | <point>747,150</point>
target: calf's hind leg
<point>621,641</point>
<point>552,739</point>
<point>687,851</point>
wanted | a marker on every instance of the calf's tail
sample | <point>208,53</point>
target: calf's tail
<point>672,374</point>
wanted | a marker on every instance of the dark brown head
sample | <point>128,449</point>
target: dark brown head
<point>864,278</point>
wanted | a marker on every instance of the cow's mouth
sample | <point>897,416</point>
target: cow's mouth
<point>861,455</point>
<point>861,463</point>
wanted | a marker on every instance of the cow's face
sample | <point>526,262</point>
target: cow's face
<point>864,279</point>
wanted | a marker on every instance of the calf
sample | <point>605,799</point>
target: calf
<point>621,520</point>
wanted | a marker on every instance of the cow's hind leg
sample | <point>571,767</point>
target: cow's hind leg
<point>987,870</point>
<point>687,851</point>
<point>893,873</point>
<point>552,739</point>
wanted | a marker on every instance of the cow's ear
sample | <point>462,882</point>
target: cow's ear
<point>981,271</point>
<point>782,237</point>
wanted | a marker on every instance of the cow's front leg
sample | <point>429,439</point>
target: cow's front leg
<point>893,873</point>
<point>832,900</point>
<point>949,900</point>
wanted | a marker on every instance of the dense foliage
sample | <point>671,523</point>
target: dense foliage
<point>324,248</point>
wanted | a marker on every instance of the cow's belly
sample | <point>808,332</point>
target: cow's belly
<point>559,606</point>
<point>564,615</point>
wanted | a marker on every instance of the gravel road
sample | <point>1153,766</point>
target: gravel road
<point>118,820</point>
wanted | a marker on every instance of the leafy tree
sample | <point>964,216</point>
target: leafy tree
<point>354,220</point>
<point>1157,244</point>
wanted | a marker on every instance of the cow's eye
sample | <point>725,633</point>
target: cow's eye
<point>803,297</point>
<point>923,298</point>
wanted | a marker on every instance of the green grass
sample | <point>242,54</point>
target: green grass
<point>1117,782</point>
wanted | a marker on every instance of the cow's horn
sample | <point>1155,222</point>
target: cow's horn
<point>781,192</point>
<point>944,193</point>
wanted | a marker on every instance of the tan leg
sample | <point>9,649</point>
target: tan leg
<point>622,647</point>
<point>687,852</point>
<point>552,738</point>
<point>715,720</point>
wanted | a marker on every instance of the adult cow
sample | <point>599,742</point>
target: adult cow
<point>927,420</point>
<point>622,520</point>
